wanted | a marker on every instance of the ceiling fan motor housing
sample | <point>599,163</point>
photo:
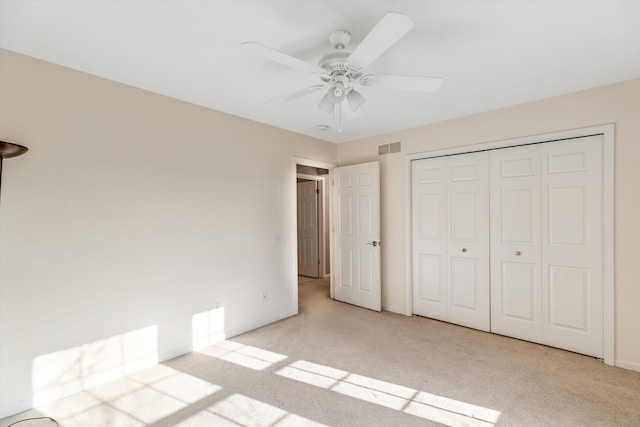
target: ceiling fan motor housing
<point>336,63</point>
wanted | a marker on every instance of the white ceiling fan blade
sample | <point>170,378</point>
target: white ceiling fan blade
<point>391,28</point>
<point>282,58</point>
<point>297,94</point>
<point>399,82</point>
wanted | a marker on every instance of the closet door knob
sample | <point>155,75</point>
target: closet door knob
<point>518,253</point>
<point>464,249</point>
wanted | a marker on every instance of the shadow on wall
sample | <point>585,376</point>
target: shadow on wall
<point>62,373</point>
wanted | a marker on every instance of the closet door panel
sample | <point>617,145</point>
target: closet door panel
<point>518,297</point>
<point>572,223</point>
<point>430,273</point>
<point>469,240</point>
<point>515,243</point>
<point>451,239</point>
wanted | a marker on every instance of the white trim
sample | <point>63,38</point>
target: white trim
<point>608,132</point>
<point>313,163</point>
<point>393,309</point>
<point>608,200</point>
<point>311,177</point>
<point>326,192</point>
<point>239,331</point>
<point>628,365</point>
<point>408,258</point>
<point>15,408</point>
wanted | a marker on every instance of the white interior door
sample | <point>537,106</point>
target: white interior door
<point>357,234</point>
<point>308,260</point>
<point>451,239</point>
<point>572,245</point>
<point>515,243</point>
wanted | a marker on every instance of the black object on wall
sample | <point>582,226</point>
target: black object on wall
<point>8,150</point>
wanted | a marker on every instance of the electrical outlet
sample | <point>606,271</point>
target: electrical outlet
<point>265,296</point>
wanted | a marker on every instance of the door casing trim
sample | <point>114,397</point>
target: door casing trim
<point>294,226</point>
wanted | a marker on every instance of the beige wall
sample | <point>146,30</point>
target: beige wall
<point>131,213</point>
<point>134,212</point>
<point>618,104</point>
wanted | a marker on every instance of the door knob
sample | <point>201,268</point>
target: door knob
<point>374,243</point>
<point>518,253</point>
<point>464,249</point>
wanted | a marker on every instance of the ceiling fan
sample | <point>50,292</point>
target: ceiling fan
<point>341,71</point>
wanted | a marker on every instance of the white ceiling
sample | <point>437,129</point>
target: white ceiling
<point>492,54</point>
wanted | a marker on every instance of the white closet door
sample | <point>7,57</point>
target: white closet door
<point>451,239</point>
<point>515,243</point>
<point>546,244</point>
<point>430,237</point>
<point>469,240</point>
<point>572,223</point>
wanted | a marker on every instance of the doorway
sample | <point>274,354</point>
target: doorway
<point>306,170</point>
<point>312,222</point>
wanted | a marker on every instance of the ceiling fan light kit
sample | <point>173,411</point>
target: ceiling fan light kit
<point>340,70</point>
<point>355,99</point>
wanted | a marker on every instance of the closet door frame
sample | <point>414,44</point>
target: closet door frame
<point>608,133</point>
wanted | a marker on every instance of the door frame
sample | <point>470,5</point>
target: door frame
<point>294,215</point>
<point>608,133</point>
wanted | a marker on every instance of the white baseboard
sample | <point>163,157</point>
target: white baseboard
<point>393,309</point>
<point>172,354</point>
<point>15,408</point>
<point>627,365</point>
<point>239,331</point>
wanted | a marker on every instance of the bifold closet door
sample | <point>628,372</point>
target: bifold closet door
<point>546,244</point>
<point>572,245</point>
<point>451,239</point>
<point>516,292</point>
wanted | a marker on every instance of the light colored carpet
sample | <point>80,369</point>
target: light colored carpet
<point>339,365</point>
<point>304,279</point>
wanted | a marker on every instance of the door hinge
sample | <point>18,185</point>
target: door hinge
<point>317,191</point>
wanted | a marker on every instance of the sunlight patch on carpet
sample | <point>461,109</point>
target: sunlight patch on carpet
<point>239,409</point>
<point>243,355</point>
<point>139,399</point>
<point>450,412</point>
